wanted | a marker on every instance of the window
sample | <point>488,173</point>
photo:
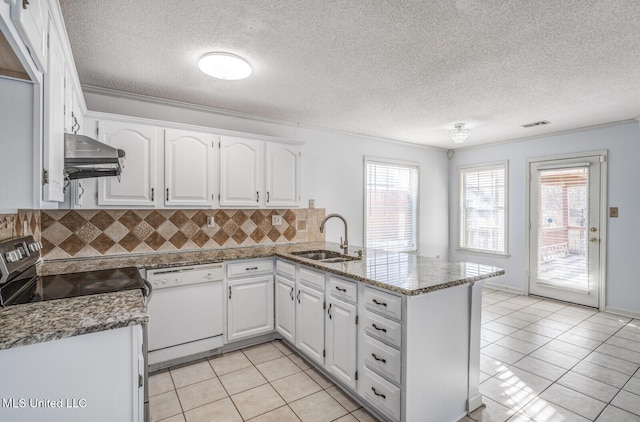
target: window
<point>483,200</point>
<point>391,205</point>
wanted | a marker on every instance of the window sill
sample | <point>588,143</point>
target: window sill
<point>483,253</point>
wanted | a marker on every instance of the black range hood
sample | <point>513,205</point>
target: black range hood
<point>85,158</point>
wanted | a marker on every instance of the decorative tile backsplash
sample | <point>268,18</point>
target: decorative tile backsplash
<point>11,225</point>
<point>86,233</point>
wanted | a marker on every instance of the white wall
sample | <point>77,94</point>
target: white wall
<point>16,144</point>
<point>332,171</point>
<point>623,144</point>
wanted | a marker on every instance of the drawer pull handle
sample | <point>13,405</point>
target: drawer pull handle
<point>380,303</point>
<point>378,394</point>
<point>251,268</point>
<point>341,289</point>
<point>378,359</point>
<point>384,330</point>
<point>291,293</point>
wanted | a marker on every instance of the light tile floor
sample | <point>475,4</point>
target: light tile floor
<point>265,383</point>
<point>547,361</point>
<point>541,360</point>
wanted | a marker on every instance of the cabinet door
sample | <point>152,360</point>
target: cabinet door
<point>188,168</point>
<point>250,307</point>
<point>239,172</point>
<point>341,341</point>
<point>310,323</point>
<point>285,308</point>
<point>31,19</point>
<point>53,148</point>
<point>137,181</point>
<point>282,165</point>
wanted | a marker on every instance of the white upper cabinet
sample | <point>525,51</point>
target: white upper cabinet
<point>189,168</point>
<point>54,122</point>
<point>258,173</point>
<point>138,179</point>
<point>239,172</point>
<point>31,19</point>
<point>282,166</point>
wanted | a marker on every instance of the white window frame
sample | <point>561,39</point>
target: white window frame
<point>368,158</point>
<point>481,167</point>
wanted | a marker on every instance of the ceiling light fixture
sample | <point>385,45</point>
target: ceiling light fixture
<point>459,135</point>
<point>225,66</point>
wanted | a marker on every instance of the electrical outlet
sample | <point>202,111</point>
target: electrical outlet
<point>211,222</point>
<point>613,212</point>
<point>25,228</point>
<point>276,220</point>
<point>312,203</point>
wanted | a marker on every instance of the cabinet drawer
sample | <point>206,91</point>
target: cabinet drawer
<point>382,328</point>
<point>381,393</point>
<point>383,303</point>
<point>311,278</point>
<point>343,289</point>
<point>286,269</point>
<point>249,268</point>
<point>386,360</point>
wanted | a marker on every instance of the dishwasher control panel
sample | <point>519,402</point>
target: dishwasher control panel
<point>184,276</point>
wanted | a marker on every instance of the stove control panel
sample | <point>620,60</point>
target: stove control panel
<point>17,254</point>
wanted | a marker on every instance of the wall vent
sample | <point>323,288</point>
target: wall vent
<point>540,123</point>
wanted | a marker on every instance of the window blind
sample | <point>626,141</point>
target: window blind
<point>482,208</point>
<point>391,204</point>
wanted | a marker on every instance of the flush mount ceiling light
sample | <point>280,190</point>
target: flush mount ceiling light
<point>225,66</point>
<point>459,135</point>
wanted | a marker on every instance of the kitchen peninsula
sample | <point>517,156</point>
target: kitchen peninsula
<point>416,321</point>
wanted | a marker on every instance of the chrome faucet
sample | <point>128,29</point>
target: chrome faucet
<point>344,245</point>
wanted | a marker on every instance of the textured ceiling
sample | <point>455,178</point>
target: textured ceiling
<point>402,70</point>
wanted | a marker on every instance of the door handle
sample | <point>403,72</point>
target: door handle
<point>267,196</point>
<point>167,194</point>
<point>257,196</point>
<point>298,296</point>
<point>329,311</point>
<point>153,194</point>
<point>291,293</point>
<point>229,292</point>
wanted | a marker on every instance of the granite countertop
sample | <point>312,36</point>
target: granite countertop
<point>32,323</point>
<point>403,273</point>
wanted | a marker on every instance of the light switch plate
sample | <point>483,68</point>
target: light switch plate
<point>276,220</point>
<point>613,212</point>
<point>312,203</point>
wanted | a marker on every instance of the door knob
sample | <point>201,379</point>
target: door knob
<point>593,229</point>
<point>593,239</point>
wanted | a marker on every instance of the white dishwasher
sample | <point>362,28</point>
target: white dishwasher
<point>185,313</point>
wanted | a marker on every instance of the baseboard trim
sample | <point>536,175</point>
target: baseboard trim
<point>623,312</point>
<point>474,403</point>
<point>504,288</point>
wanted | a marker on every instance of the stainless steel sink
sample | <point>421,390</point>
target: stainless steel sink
<point>325,256</point>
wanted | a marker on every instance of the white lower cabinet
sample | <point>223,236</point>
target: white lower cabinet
<point>85,377</point>
<point>310,305</point>
<point>341,341</point>
<point>286,308</point>
<point>249,307</point>
<point>380,392</point>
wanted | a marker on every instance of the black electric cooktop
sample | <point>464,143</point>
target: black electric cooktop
<point>60,286</point>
